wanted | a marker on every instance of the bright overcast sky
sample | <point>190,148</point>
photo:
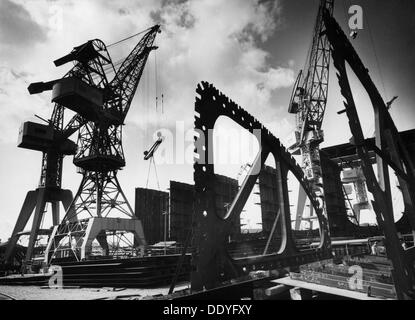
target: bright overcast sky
<point>250,50</point>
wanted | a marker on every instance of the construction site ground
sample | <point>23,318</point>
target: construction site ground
<point>74,293</point>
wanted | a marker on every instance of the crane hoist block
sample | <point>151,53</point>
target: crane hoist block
<point>41,137</point>
<point>79,97</point>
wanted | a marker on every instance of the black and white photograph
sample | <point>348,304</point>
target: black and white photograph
<point>207,154</point>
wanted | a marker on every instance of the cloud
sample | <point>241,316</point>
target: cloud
<point>202,40</point>
<point>210,40</point>
<point>17,27</point>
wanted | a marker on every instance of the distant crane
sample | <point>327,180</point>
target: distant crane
<point>308,102</point>
<point>52,139</point>
<point>103,106</point>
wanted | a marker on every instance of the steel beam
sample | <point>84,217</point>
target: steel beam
<point>342,52</point>
<point>211,262</point>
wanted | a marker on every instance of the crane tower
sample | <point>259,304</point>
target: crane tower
<point>101,106</point>
<point>308,102</point>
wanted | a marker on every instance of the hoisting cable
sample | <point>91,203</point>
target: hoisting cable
<point>377,59</point>
<point>148,173</point>
<point>155,170</point>
<point>155,79</point>
<point>146,103</point>
<point>125,39</point>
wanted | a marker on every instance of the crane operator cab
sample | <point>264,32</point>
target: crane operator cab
<point>78,96</point>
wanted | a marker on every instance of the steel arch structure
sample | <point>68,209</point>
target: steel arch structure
<point>390,151</point>
<point>211,263</point>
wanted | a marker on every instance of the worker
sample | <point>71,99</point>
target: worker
<point>374,248</point>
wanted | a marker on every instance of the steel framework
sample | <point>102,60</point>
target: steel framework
<point>211,262</point>
<point>101,107</point>
<point>308,102</point>
<point>57,145</point>
<point>100,154</point>
<point>49,189</point>
<point>390,151</point>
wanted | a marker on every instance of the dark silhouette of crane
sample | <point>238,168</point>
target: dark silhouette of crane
<point>101,107</point>
<point>52,139</point>
<point>100,201</point>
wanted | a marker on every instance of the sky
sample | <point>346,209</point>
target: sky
<point>251,50</point>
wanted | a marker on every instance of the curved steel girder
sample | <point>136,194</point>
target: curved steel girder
<point>387,136</point>
<point>211,262</point>
<point>397,157</point>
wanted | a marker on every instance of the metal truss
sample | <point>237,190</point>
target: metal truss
<point>317,78</point>
<point>99,195</point>
<point>100,154</point>
<point>310,106</point>
<point>99,149</point>
<point>396,156</point>
<point>49,189</point>
<point>211,262</point>
<point>128,76</point>
<point>71,241</point>
<point>68,243</point>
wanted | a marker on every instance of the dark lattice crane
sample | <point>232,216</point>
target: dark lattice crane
<point>308,102</point>
<point>100,155</point>
<point>52,139</point>
<point>101,107</point>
